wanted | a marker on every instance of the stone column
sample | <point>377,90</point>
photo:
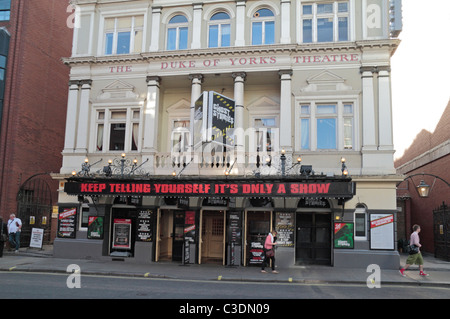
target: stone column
<point>239,79</point>
<point>286,111</point>
<point>368,109</point>
<point>285,21</point>
<point>151,115</point>
<point>196,91</point>
<point>83,117</point>
<point>384,109</point>
<point>240,23</point>
<point>156,23</point>
<point>197,26</point>
<point>71,119</point>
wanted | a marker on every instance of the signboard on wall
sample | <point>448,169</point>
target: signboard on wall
<point>67,221</point>
<point>382,231</point>
<point>145,225</point>
<point>285,229</point>
<point>344,235</point>
<point>95,227</point>
<point>121,233</point>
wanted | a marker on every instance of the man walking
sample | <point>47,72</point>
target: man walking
<point>416,256</point>
<point>14,229</point>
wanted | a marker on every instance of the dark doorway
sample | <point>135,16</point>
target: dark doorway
<point>313,245</point>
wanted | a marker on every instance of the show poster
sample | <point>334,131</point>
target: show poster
<point>95,227</point>
<point>344,235</point>
<point>122,234</point>
<point>285,229</point>
<point>145,225</point>
<point>67,221</point>
<point>221,118</point>
<point>382,231</point>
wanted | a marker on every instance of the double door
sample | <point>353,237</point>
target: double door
<point>313,242</point>
<point>170,235</point>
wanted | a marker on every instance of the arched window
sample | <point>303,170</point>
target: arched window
<point>219,30</point>
<point>263,27</point>
<point>177,33</point>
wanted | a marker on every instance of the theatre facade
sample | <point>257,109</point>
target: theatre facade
<point>194,129</point>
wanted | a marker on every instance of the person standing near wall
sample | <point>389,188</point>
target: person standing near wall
<point>415,256</point>
<point>3,235</point>
<point>14,229</point>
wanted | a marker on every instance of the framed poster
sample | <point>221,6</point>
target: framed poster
<point>344,235</point>
<point>95,227</point>
<point>67,222</point>
<point>145,225</point>
<point>285,229</point>
<point>382,231</point>
<point>121,233</point>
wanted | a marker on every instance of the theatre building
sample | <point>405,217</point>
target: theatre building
<point>193,129</point>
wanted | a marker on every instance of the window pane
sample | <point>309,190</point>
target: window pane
<point>213,36</point>
<point>172,39</point>
<point>134,137</point>
<point>109,43</point>
<point>220,16</point>
<point>305,109</point>
<point>342,7</point>
<point>360,225</point>
<point>269,32</point>
<point>100,137</point>
<point>5,4</point>
<point>117,137</point>
<point>123,42</point>
<point>109,23</point>
<point>326,134</point>
<point>325,30</point>
<point>326,109</point>
<point>263,13</point>
<point>178,19</point>
<point>226,30</point>
<point>307,31</point>
<point>118,115</point>
<point>2,83</point>
<point>124,23</point>
<point>138,37</point>
<point>4,15</point>
<point>305,134</point>
<point>307,9</point>
<point>183,38</point>
<point>325,8</point>
<point>348,108</point>
<point>348,133</point>
<point>257,33</point>
<point>343,29</point>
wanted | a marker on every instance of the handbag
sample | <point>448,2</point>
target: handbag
<point>269,253</point>
<point>413,249</point>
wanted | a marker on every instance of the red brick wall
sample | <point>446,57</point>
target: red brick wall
<point>33,124</point>
<point>420,210</point>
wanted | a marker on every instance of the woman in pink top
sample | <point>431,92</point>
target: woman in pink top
<point>269,251</point>
<point>417,257</point>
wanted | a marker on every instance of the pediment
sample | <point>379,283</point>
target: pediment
<point>326,81</point>
<point>263,102</point>
<point>180,108</point>
<point>118,90</point>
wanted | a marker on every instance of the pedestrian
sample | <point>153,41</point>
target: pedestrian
<point>269,251</point>
<point>14,229</point>
<point>415,256</point>
<point>3,235</point>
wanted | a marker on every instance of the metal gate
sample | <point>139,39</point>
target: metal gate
<point>34,208</point>
<point>441,225</point>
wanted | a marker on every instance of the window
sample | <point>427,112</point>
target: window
<point>177,33</point>
<point>360,224</point>
<point>180,135</point>
<point>123,35</point>
<point>119,128</point>
<point>4,48</point>
<point>219,30</point>
<point>325,22</point>
<point>263,27</point>
<point>5,10</point>
<point>326,126</point>
<point>265,133</point>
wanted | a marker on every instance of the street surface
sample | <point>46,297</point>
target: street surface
<point>17,285</point>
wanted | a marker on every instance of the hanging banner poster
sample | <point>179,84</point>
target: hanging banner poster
<point>122,234</point>
<point>95,227</point>
<point>145,225</point>
<point>221,119</point>
<point>344,235</point>
<point>285,229</point>
<point>382,231</point>
<point>67,219</point>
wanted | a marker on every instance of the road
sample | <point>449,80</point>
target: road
<point>17,285</point>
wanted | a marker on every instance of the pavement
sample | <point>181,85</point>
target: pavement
<point>42,261</point>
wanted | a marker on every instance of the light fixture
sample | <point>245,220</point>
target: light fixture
<point>423,189</point>
<point>344,167</point>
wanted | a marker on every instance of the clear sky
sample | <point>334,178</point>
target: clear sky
<point>420,70</point>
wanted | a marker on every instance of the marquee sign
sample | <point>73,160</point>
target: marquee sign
<point>321,189</point>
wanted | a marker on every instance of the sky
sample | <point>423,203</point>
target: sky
<point>420,70</point>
